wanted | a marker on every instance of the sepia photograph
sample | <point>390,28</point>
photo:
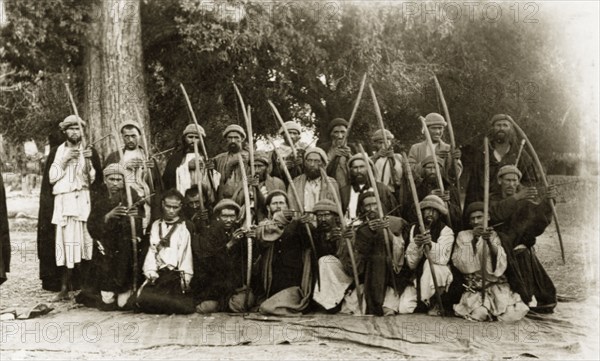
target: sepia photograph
<point>299,179</point>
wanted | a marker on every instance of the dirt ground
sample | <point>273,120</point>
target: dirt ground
<point>576,281</point>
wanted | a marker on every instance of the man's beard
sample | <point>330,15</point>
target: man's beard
<point>358,179</point>
<point>262,176</point>
<point>233,148</point>
<point>501,136</point>
<point>370,215</point>
<point>312,173</point>
<point>74,139</point>
<point>324,226</point>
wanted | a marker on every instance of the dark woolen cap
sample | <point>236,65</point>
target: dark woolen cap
<point>337,121</point>
<point>474,207</point>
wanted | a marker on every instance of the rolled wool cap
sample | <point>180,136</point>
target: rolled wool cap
<point>474,207</point>
<point>71,120</point>
<point>434,119</point>
<point>226,203</point>
<point>378,135</point>
<point>435,202</point>
<point>274,193</point>
<point>509,169</point>
<point>262,157</point>
<point>337,121</point>
<point>130,123</point>
<point>192,129</point>
<point>429,159</point>
<point>234,128</point>
<point>325,205</point>
<point>291,125</point>
<point>319,151</point>
<point>498,117</point>
<point>114,168</point>
<point>359,156</point>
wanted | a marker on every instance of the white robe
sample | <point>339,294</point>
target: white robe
<point>71,207</point>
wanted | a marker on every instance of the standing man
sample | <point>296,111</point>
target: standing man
<point>429,185</point>
<point>311,188</point>
<point>437,243</point>
<point>294,165</point>
<point>134,163</point>
<point>63,240</point>
<point>263,182</point>
<point>338,153</point>
<point>503,151</point>
<point>388,165</point>
<point>180,171</point>
<point>436,124</point>
<point>359,183</point>
<point>227,163</point>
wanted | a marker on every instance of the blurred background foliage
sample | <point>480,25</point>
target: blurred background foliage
<point>308,58</point>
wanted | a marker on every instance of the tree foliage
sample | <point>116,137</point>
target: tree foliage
<point>308,58</point>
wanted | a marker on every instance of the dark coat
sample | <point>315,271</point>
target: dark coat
<point>388,202</point>
<point>155,206</point>
<point>474,190</point>
<point>524,272</point>
<point>4,235</point>
<point>370,255</point>
<point>218,272</point>
<point>115,266</point>
<point>50,274</point>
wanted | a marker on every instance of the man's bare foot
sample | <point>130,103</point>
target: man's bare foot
<point>61,296</point>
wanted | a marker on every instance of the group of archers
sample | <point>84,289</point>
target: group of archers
<point>298,229</point>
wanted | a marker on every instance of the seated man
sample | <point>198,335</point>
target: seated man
<point>286,261</point>
<point>168,266</point>
<point>524,214</point>
<point>331,250</point>
<point>221,257</point>
<point>499,301</point>
<point>436,244</point>
<point>373,266</point>
<point>110,227</point>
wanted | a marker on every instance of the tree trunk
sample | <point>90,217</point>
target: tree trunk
<point>114,72</point>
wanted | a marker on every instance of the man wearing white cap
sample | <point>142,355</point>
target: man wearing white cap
<point>64,242</point>
<point>436,124</point>
<point>294,165</point>
<point>180,171</point>
<point>226,163</point>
